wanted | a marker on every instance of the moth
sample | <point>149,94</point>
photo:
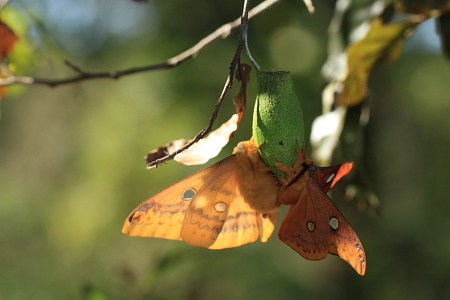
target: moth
<point>313,225</point>
<point>236,200</point>
<point>225,205</point>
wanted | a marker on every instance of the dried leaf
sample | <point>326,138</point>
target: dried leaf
<point>162,151</point>
<point>240,100</point>
<point>309,6</point>
<point>382,44</point>
<point>209,147</point>
<point>200,152</point>
<point>7,40</point>
<point>325,132</point>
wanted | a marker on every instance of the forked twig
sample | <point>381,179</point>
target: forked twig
<point>242,43</point>
<point>222,32</point>
<point>227,86</point>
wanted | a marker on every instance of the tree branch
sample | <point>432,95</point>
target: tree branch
<point>222,32</point>
<point>228,83</point>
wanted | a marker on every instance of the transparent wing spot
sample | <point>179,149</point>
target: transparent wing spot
<point>334,223</point>
<point>311,226</point>
<point>188,194</point>
<point>220,206</point>
<point>330,178</point>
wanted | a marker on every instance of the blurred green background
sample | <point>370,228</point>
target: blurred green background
<point>72,168</point>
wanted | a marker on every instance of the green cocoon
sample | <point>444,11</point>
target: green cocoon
<point>277,119</point>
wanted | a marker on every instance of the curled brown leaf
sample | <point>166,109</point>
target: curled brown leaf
<point>165,150</point>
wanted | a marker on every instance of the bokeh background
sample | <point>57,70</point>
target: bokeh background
<point>72,168</point>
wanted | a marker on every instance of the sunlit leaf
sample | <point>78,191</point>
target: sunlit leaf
<point>209,147</point>
<point>325,132</point>
<point>309,6</point>
<point>382,44</point>
<point>162,151</point>
<point>200,152</point>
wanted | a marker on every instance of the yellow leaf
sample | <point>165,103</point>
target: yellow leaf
<point>382,44</point>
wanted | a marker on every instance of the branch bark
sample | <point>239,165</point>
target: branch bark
<point>81,75</point>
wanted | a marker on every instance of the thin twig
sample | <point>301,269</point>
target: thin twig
<point>244,30</point>
<point>212,119</point>
<point>222,32</point>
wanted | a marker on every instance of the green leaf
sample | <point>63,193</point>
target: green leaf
<point>382,44</point>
